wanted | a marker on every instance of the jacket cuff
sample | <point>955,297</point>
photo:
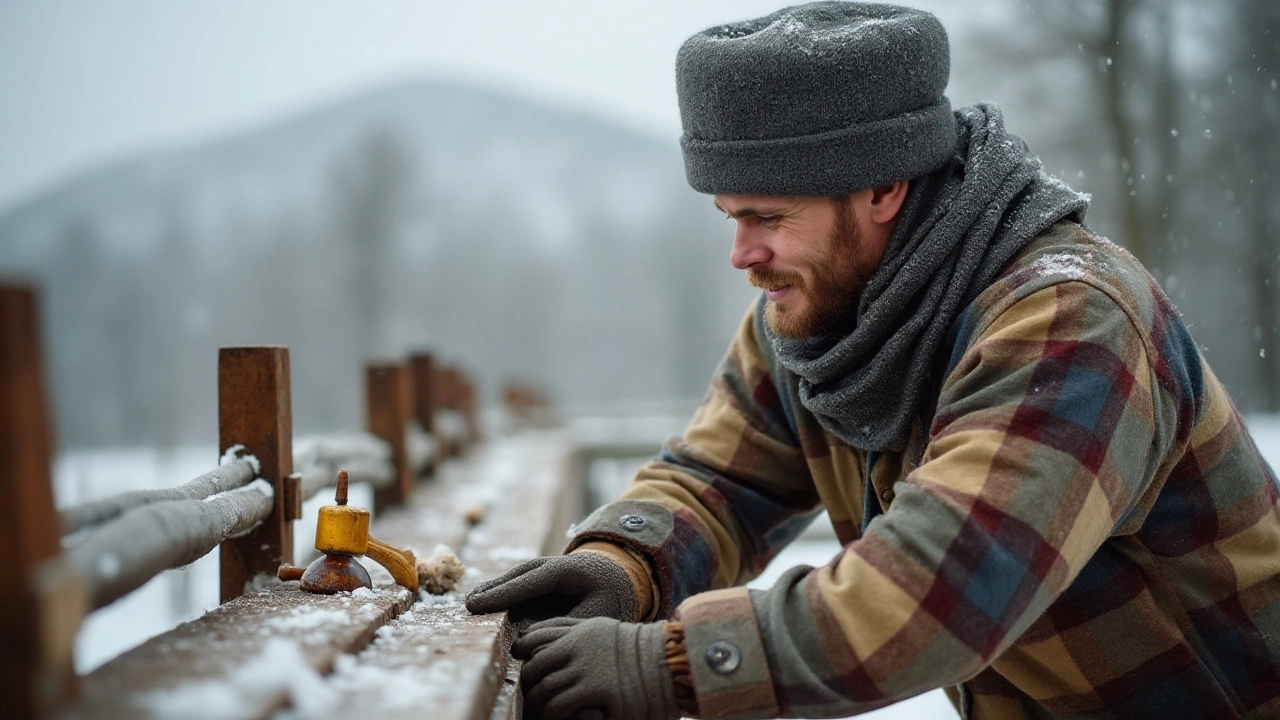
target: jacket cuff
<point>641,527</point>
<point>637,569</point>
<point>726,656</point>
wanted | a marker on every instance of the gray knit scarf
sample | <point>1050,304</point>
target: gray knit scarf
<point>959,227</point>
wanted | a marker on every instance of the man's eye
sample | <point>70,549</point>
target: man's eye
<point>769,221</point>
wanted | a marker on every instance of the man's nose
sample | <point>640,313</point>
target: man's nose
<point>748,248</point>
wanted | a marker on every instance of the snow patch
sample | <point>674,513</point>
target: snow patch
<point>237,452</point>
<point>108,567</point>
<point>258,485</point>
<point>1070,266</point>
<point>279,669</point>
<point>308,618</point>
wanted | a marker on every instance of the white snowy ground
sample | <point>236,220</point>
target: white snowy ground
<point>180,595</point>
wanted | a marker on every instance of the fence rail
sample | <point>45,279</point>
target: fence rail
<point>120,556</point>
<point>245,506</point>
<point>232,475</point>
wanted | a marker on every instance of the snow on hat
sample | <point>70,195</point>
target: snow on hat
<point>826,98</point>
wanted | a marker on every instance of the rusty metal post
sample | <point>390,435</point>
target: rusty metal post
<point>255,410</point>
<point>42,602</point>
<point>422,367</point>
<point>389,406</point>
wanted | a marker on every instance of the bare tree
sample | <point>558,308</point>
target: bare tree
<point>1257,115</point>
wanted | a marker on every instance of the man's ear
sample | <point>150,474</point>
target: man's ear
<point>887,200</point>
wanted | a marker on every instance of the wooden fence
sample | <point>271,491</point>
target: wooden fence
<point>499,506</point>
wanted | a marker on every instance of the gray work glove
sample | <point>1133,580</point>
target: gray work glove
<point>578,585</point>
<point>597,669</point>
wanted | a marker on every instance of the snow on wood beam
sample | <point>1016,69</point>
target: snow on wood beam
<point>389,408</point>
<point>254,410</point>
<point>40,604</point>
<point>468,672</point>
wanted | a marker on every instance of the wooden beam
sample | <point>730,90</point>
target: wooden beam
<point>422,368</point>
<point>471,410</point>
<point>255,410</point>
<point>389,406</point>
<point>36,635</point>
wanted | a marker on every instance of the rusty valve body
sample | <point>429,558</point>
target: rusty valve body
<point>342,534</point>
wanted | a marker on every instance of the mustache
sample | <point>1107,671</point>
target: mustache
<point>767,279</point>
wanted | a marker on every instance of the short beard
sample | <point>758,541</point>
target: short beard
<point>838,281</point>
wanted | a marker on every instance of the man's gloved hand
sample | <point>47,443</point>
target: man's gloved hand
<point>595,668</point>
<point>578,585</point>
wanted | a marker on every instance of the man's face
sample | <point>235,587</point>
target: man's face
<point>807,253</point>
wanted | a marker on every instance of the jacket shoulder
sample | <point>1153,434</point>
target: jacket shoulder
<point>1070,253</point>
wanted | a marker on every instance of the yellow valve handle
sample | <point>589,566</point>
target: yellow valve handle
<point>401,563</point>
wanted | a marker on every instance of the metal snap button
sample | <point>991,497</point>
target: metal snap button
<point>723,657</point>
<point>886,495</point>
<point>633,523</point>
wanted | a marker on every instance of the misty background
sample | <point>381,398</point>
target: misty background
<point>502,184</point>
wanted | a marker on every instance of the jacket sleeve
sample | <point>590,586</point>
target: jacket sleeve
<point>718,503</point>
<point>1048,432</point>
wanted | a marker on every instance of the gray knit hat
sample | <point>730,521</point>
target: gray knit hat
<point>820,99</point>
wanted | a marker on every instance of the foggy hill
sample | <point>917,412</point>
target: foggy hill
<point>517,239</point>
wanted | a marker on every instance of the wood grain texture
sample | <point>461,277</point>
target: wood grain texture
<point>255,410</point>
<point>207,656</point>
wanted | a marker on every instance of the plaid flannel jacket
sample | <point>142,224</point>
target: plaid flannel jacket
<point>1086,528</point>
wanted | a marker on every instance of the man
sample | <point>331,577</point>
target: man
<point>1047,502</point>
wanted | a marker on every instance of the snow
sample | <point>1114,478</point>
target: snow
<point>258,485</point>
<point>279,668</point>
<point>237,452</point>
<point>308,618</point>
<point>108,567</point>
<point>1069,266</point>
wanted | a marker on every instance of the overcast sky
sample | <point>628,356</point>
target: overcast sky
<point>87,81</point>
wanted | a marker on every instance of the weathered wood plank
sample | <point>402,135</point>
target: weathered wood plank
<point>237,656</point>
<point>438,656</point>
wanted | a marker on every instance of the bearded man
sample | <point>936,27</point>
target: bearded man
<point>1047,502</point>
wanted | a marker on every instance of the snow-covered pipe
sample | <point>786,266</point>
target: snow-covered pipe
<point>121,555</point>
<point>234,474</point>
